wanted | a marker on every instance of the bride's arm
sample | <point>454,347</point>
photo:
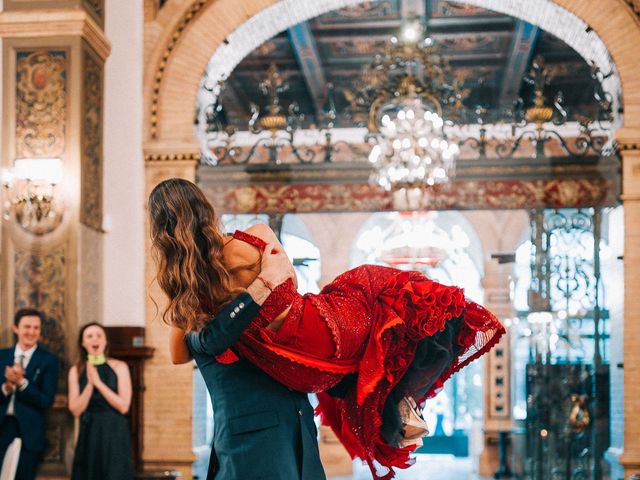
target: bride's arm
<point>178,347</point>
<point>226,328</point>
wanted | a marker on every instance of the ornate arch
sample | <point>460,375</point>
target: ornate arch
<point>605,31</point>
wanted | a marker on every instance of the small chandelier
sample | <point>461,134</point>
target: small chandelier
<point>412,150</point>
<point>415,242</point>
<point>406,117</point>
<point>30,194</point>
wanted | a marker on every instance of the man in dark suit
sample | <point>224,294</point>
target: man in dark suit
<point>262,429</point>
<point>29,379</point>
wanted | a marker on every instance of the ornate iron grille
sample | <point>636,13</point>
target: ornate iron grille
<point>567,382</point>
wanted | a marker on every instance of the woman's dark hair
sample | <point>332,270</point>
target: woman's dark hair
<point>82,352</point>
<point>187,244</point>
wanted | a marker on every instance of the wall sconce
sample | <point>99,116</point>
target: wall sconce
<point>31,196</point>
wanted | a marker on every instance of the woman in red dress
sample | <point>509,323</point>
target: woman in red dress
<point>373,343</point>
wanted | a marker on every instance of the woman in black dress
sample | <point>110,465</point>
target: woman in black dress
<point>100,394</point>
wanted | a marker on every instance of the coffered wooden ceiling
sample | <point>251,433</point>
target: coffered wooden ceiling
<point>488,52</point>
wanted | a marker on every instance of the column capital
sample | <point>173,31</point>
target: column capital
<point>628,139</point>
<point>171,152</point>
<point>55,23</point>
<point>631,170</point>
<point>630,460</point>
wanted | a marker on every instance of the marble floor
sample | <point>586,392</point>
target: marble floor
<point>427,467</point>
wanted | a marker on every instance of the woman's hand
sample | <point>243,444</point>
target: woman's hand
<point>93,377</point>
<point>120,400</point>
<point>78,402</point>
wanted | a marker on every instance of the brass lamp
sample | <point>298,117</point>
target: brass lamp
<point>31,194</point>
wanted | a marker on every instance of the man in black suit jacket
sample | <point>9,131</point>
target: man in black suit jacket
<point>262,429</point>
<point>29,379</point>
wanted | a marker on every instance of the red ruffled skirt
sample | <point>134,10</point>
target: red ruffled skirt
<point>372,335</point>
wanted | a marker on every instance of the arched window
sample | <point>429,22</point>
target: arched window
<point>445,247</point>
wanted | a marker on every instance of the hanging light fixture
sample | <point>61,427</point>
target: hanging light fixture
<point>409,101</point>
<point>415,241</point>
<point>31,194</point>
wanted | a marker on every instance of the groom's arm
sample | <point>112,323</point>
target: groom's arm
<point>225,329</point>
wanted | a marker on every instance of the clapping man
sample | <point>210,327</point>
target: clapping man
<point>29,379</point>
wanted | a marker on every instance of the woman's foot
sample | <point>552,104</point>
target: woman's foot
<point>414,426</point>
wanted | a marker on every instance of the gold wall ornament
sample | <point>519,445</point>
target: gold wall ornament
<point>40,283</point>
<point>41,103</point>
<point>91,211</point>
<point>579,417</point>
<point>32,195</point>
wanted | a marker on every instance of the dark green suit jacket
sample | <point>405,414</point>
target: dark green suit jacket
<point>262,429</point>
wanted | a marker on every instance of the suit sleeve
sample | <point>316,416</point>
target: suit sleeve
<point>3,398</point>
<point>42,396</point>
<point>225,329</point>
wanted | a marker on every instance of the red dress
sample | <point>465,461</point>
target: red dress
<point>374,333</point>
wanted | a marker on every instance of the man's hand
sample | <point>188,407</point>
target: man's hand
<point>14,375</point>
<point>7,388</point>
<point>276,267</point>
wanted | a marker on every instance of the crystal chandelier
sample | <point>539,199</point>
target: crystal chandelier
<point>409,101</point>
<point>412,150</point>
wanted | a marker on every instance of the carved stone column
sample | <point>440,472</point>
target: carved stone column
<point>497,367</point>
<point>168,397</point>
<point>53,62</point>
<point>629,140</point>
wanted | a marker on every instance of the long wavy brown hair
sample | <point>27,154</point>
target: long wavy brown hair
<point>187,244</point>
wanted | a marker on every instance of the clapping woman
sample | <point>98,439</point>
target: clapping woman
<point>100,394</point>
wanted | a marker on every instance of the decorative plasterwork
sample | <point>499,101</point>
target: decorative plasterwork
<point>623,147</point>
<point>499,382</point>
<point>459,195</point>
<point>173,40</point>
<point>628,139</point>
<point>39,282</point>
<point>41,103</point>
<point>453,9</point>
<point>172,157</point>
<point>368,9</point>
<point>96,8</point>
<point>91,138</point>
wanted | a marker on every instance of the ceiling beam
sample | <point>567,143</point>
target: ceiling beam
<point>306,51</point>
<point>525,36</point>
